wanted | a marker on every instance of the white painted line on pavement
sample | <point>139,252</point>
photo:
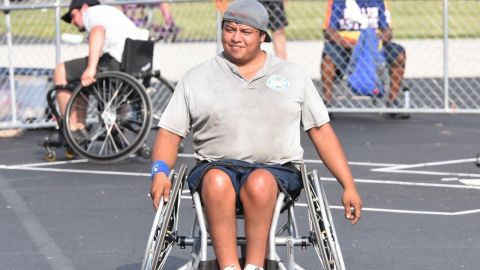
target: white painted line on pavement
<point>368,181</point>
<point>369,164</point>
<point>436,213</point>
<point>39,235</point>
<point>470,182</point>
<point>399,211</point>
<point>446,179</point>
<point>431,173</point>
<point>385,210</point>
<point>61,162</point>
<point>427,164</point>
<point>404,183</point>
<point>28,168</point>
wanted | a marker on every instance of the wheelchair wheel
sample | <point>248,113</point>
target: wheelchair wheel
<point>160,93</point>
<point>322,232</point>
<point>116,115</point>
<point>164,229</point>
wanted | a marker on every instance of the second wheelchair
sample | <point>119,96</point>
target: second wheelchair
<point>117,112</point>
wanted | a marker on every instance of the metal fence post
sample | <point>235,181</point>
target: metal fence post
<point>219,32</point>
<point>57,32</point>
<point>11,70</point>
<point>445,56</point>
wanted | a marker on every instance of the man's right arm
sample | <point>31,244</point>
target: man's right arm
<point>165,149</point>
<point>95,45</point>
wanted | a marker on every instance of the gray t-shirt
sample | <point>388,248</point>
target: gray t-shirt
<point>255,121</point>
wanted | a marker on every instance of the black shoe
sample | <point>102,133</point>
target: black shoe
<point>80,135</point>
<point>395,104</point>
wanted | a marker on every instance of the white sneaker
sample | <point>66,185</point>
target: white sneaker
<point>252,267</point>
<point>231,267</point>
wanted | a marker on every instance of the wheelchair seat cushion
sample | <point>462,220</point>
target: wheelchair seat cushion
<point>287,175</point>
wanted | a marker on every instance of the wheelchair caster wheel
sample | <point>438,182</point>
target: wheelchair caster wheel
<point>50,156</point>
<point>69,154</point>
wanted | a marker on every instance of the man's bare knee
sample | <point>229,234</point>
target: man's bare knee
<point>216,182</point>
<point>260,187</point>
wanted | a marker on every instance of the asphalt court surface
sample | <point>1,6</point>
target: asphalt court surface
<point>417,178</point>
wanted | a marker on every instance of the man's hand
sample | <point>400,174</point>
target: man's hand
<point>161,185</point>
<point>353,205</point>
<point>88,76</point>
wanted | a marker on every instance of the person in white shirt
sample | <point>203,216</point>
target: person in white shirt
<point>107,29</point>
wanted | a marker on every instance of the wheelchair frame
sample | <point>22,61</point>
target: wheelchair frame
<point>164,235</point>
<point>119,113</point>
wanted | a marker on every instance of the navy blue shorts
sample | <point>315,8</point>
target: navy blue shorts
<point>287,175</point>
<point>341,56</point>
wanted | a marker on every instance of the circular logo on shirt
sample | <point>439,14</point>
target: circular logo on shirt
<point>278,83</point>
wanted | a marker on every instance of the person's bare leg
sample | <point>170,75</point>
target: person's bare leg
<point>280,43</point>
<point>328,76</point>
<point>397,71</point>
<point>63,96</point>
<point>258,196</point>
<point>167,15</point>
<point>219,199</point>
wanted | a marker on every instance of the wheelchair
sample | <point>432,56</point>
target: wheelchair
<point>117,111</point>
<point>164,234</point>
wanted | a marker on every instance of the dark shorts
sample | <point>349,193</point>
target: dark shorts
<point>288,176</point>
<point>276,14</point>
<point>75,68</point>
<point>341,56</point>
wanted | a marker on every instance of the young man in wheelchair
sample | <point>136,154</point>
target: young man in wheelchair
<point>244,108</point>
<point>342,26</point>
<point>107,29</point>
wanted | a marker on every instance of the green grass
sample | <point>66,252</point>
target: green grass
<point>412,19</point>
<point>424,19</point>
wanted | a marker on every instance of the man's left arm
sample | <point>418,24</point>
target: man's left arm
<point>95,46</point>
<point>331,153</point>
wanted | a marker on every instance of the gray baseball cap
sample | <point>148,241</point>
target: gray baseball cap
<point>248,12</point>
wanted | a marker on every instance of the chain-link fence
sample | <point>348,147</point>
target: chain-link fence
<point>440,37</point>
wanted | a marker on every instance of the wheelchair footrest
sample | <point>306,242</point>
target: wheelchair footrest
<point>51,141</point>
<point>213,265</point>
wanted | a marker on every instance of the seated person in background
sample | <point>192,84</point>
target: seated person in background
<point>277,22</point>
<point>342,29</point>
<point>244,108</point>
<point>136,12</point>
<point>107,29</point>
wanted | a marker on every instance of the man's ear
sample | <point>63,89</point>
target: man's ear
<point>263,36</point>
